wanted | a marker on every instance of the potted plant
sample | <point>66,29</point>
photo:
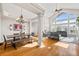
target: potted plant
<point>77,20</point>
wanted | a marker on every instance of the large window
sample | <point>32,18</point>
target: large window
<point>65,22</point>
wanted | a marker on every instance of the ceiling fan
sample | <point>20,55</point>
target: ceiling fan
<point>57,10</point>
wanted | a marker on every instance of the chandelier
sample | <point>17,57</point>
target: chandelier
<point>20,19</point>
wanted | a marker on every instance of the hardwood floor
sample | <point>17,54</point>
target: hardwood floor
<point>49,47</point>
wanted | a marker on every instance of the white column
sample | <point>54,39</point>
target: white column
<point>50,22</point>
<point>78,32</point>
<point>29,27</point>
<point>40,34</point>
<point>55,25</point>
<point>68,29</point>
<point>1,17</point>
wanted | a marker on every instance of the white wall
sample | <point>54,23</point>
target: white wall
<point>6,23</point>
<point>0,22</point>
<point>34,27</point>
<point>0,28</point>
<point>6,29</point>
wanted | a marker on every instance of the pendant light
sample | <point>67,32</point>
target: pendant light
<point>20,19</point>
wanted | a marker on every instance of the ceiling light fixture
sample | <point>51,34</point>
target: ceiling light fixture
<point>20,19</point>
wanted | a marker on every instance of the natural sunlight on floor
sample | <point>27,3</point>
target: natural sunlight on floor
<point>61,44</point>
<point>34,44</point>
<point>31,44</point>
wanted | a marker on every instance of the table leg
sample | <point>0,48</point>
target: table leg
<point>14,45</point>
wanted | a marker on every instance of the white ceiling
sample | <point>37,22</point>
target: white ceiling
<point>14,11</point>
<point>71,7</point>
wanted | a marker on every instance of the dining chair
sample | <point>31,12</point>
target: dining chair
<point>8,43</point>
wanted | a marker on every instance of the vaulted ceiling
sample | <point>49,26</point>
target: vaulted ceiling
<point>69,7</point>
<point>13,10</point>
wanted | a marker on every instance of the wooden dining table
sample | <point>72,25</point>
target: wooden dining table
<point>13,36</point>
<point>13,39</point>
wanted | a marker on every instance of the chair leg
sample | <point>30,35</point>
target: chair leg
<point>5,46</point>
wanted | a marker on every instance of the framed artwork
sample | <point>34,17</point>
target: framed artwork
<point>10,27</point>
<point>17,27</point>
